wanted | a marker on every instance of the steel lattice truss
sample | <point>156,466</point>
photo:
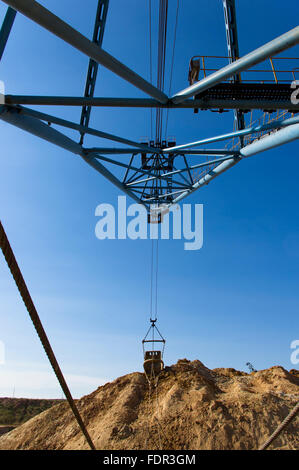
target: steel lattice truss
<point>158,173</point>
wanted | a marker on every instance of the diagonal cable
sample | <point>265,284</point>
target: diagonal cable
<point>23,290</point>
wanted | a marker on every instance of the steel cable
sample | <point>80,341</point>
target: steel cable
<point>151,281</point>
<point>150,56</point>
<point>23,290</point>
<point>162,35</point>
<point>281,427</point>
<point>172,62</point>
<point>157,264</point>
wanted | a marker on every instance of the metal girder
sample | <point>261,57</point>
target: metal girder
<point>93,66</point>
<point>124,165</point>
<point>182,170</point>
<point>279,44</point>
<point>93,162</point>
<point>123,151</point>
<point>133,181</point>
<point>230,19</point>
<point>247,131</point>
<point>188,170</point>
<point>154,181</point>
<point>63,30</point>
<point>224,166</point>
<point>6,28</point>
<point>280,137</point>
<point>128,169</point>
<point>231,30</point>
<point>40,129</point>
<point>283,136</point>
<point>182,187</point>
<point>165,195</point>
<point>214,152</point>
<point>72,125</point>
<point>204,103</point>
<point>115,150</point>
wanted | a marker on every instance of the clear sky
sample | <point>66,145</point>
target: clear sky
<point>233,301</point>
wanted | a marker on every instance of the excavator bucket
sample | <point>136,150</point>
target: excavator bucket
<point>153,363</point>
<point>153,359</point>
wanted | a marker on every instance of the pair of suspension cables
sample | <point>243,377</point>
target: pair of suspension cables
<point>154,280</point>
<point>161,60</point>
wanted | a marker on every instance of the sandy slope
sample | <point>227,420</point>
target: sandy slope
<point>191,408</point>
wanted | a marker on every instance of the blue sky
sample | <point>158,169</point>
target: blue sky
<point>233,301</point>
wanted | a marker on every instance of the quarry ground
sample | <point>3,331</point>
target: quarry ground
<point>192,407</point>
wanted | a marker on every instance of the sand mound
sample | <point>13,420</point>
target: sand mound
<point>192,407</point>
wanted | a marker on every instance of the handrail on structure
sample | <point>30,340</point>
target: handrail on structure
<point>199,63</point>
<point>266,118</point>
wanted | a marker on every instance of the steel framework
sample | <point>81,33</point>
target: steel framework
<point>156,173</point>
<point>230,19</point>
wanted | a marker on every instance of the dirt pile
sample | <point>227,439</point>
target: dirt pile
<point>192,407</point>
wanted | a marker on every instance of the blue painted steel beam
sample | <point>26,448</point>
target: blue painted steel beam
<point>40,129</point>
<point>283,136</point>
<point>276,139</point>
<point>98,34</point>
<point>182,170</point>
<point>247,131</point>
<point>77,127</point>
<point>203,104</point>
<point>231,29</point>
<point>128,169</point>
<point>179,187</point>
<point>123,151</point>
<point>115,150</point>
<point>94,163</point>
<point>224,166</point>
<point>6,28</point>
<point>215,152</point>
<point>165,195</point>
<point>181,173</point>
<point>64,31</point>
<point>123,165</point>
<point>287,40</point>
